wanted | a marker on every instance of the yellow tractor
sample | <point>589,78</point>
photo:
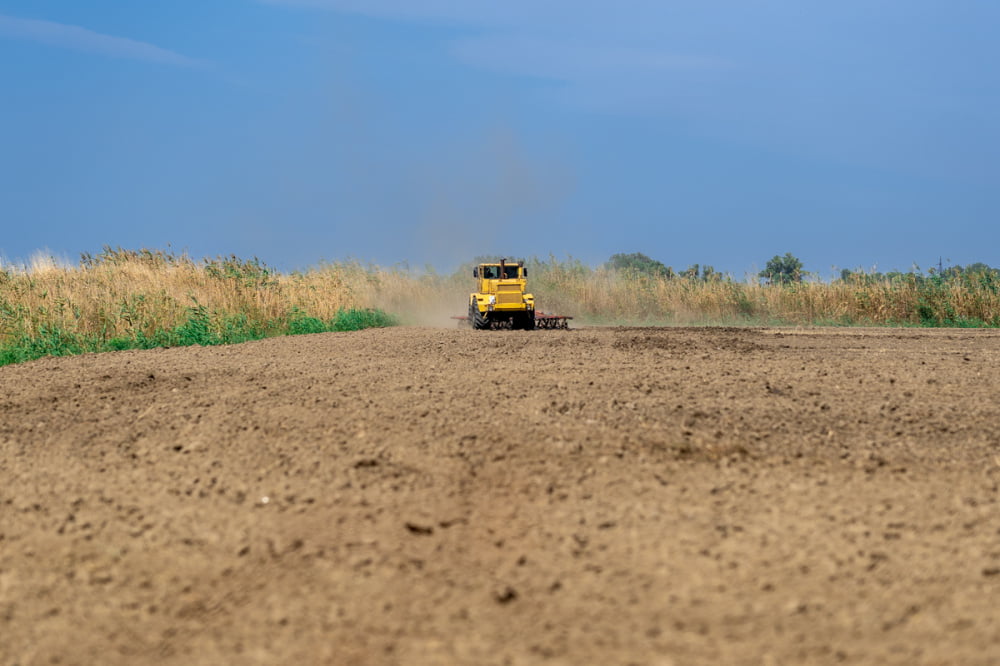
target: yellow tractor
<point>500,300</point>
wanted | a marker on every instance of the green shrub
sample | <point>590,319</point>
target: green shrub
<point>303,325</point>
<point>357,319</point>
<point>202,327</point>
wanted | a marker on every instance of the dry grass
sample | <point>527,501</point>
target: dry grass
<point>129,292</point>
<point>126,292</point>
<point>607,296</point>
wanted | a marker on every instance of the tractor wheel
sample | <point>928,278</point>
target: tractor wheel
<point>477,318</point>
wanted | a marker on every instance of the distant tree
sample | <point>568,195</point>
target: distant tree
<point>782,270</point>
<point>980,268</point>
<point>639,263</point>
<point>860,277</point>
<point>702,273</point>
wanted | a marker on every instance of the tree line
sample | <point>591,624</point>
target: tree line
<point>788,269</point>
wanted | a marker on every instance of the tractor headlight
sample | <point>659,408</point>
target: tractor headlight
<point>493,299</point>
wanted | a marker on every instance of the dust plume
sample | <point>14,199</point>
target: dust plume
<point>491,194</point>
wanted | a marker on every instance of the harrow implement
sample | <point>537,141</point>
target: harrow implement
<point>542,320</point>
<point>551,321</point>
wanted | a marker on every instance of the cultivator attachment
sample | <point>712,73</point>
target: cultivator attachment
<point>542,320</point>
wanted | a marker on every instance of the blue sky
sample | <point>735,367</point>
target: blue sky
<point>722,132</point>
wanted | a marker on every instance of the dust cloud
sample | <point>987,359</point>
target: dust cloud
<point>487,196</point>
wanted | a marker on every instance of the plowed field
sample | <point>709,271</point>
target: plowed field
<point>440,496</point>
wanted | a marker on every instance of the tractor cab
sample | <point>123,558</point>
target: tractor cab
<point>491,276</point>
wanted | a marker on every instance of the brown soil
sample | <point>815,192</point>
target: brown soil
<point>421,496</point>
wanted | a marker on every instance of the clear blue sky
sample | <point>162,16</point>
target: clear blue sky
<point>850,133</point>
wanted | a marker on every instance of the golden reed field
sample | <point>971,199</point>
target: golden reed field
<point>120,296</point>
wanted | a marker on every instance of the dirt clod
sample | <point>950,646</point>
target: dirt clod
<point>417,528</point>
<point>505,595</point>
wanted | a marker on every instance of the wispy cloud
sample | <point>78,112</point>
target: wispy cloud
<point>827,81</point>
<point>74,37</point>
<point>570,60</point>
<point>477,12</point>
<point>642,50</point>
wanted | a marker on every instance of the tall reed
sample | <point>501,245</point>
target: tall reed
<point>148,297</point>
<point>602,295</point>
<point>122,299</point>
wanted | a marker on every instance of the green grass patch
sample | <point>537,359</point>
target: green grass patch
<point>202,327</point>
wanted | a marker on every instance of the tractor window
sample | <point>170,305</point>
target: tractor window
<point>493,272</point>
